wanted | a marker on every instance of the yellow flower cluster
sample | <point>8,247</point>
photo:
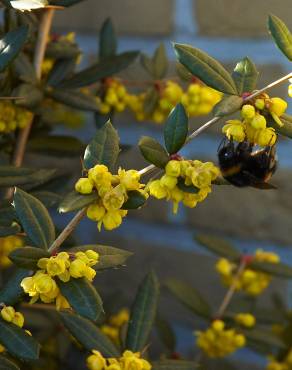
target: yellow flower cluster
<point>197,100</point>
<point>7,245</point>
<point>42,285</point>
<point>191,173</point>
<point>13,117</point>
<point>253,126</point>
<point>128,361</point>
<point>217,341</point>
<point>245,319</point>
<point>286,364</point>
<point>252,282</point>
<point>9,314</point>
<point>115,323</point>
<point>112,191</point>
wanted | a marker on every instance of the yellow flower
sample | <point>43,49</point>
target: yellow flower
<point>168,181</point>
<point>266,137</point>
<point>260,104</point>
<point>132,361</point>
<point>84,186</point>
<point>234,129</point>
<point>92,256</point>
<point>130,179</point>
<point>248,111</point>
<point>277,106</point>
<point>18,319</point>
<point>114,199</point>
<point>112,332</point>
<point>258,122</point>
<point>96,361</point>
<point>224,267</point>
<point>95,212</point>
<point>77,268</point>
<point>7,245</point>
<point>112,219</point>
<point>173,168</point>
<point>157,190</point>
<point>121,318</point>
<point>245,319</point>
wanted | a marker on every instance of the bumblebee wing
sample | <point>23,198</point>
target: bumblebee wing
<point>255,183</point>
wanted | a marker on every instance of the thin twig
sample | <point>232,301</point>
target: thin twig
<point>42,39</point>
<point>67,231</point>
<point>230,292</point>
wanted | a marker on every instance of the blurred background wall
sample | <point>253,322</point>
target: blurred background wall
<point>227,30</point>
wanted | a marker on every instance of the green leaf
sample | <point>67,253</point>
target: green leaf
<point>281,35</point>
<point>143,314</point>
<point>147,63</point>
<point>153,152</point>
<point>34,218</point>
<point>189,297</point>
<point>174,365</point>
<point>62,50</point>
<point>228,105</point>
<point>209,70</point>
<point>176,129</point>
<point>276,269</point>
<point>263,336</point>
<point>88,335</point>
<point>103,148</point>
<point>56,145</point>
<point>25,69</point>
<point>104,68</point>
<point>160,62</point>
<point>187,188</point>
<point>11,44</point>
<point>286,129</point>
<point>6,364</point>
<point>83,297</point>
<point>218,246</point>
<point>245,76</point>
<point>15,176</point>
<point>75,99</point>
<point>166,334</point>
<point>9,230</point>
<point>28,257</point>
<point>75,201</point>
<point>151,100</point>
<point>63,68</point>
<point>17,342</point>
<point>107,40</point>
<point>109,257</point>
<point>30,95</point>
<point>135,200</point>
<point>48,198</point>
<point>12,292</point>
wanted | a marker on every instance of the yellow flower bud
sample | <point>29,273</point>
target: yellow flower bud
<point>218,325</point>
<point>157,190</point>
<point>245,319</point>
<point>84,186</point>
<point>240,340</point>
<point>277,106</point>
<point>173,168</point>
<point>18,319</point>
<point>168,181</point>
<point>258,122</point>
<point>8,313</point>
<point>112,220</point>
<point>96,361</point>
<point>92,257</point>
<point>248,111</point>
<point>77,268</point>
<point>234,130</point>
<point>260,104</point>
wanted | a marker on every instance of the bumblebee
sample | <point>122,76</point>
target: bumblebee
<point>242,166</point>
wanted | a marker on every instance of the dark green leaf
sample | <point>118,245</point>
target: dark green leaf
<point>189,297</point>
<point>281,35</point>
<point>263,336</point>
<point>34,218</point>
<point>75,201</point>
<point>183,73</point>
<point>104,68</point>
<point>228,105</point>
<point>109,257</point>
<point>9,230</point>
<point>174,365</point>
<point>143,314</point>
<point>209,70</point>
<point>61,70</point>
<point>17,342</point>
<point>15,176</point>
<point>151,100</point>
<point>153,152</point>
<point>135,200</point>
<point>187,188</point>
<point>276,269</point>
<point>11,44</point>
<point>286,129</point>
<point>103,148</point>
<point>12,292</point>
<point>245,76</point>
<point>75,99</point>
<point>25,69</point>
<point>30,95</point>
<point>48,198</point>
<point>107,40</point>
<point>28,257</point>
<point>88,335</point>
<point>166,334</point>
<point>62,50</point>
<point>83,297</point>
<point>147,63</point>
<point>56,145</point>
<point>6,364</point>
<point>160,62</point>
<point>176,129</point>
<point>218,246</point>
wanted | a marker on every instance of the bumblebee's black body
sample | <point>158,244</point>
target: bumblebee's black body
<point>242,167</point>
